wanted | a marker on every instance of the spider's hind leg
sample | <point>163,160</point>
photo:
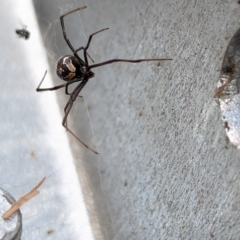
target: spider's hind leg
<point>38,89</point>
<point>82,48</point>
<point>88,44</point>
<point>67,92</point>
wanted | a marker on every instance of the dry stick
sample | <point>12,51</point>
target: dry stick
<point>221,89</point>
<point>22,200</point>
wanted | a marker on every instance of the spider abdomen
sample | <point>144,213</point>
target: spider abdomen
<point>68,68</point>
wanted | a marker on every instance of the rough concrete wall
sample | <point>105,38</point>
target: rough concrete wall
<point>165,169</point>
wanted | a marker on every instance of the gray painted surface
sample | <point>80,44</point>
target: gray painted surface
<point>165,169</point>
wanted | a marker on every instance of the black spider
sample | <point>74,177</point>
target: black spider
<point>23,33</point>
<point>72,68</point>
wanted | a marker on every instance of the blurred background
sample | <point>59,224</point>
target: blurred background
<point>165,168</point>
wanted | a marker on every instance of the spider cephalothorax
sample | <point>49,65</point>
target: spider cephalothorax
<point>69,68</point>
<point>73,69</point>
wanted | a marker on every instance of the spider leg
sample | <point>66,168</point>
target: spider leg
<point>66,89</point>
<point>67,110</point>
<point>82,48</point>
<point>48,89</point>
<point>127,60</point>
<point>88,43</point>
<point>64,31</point>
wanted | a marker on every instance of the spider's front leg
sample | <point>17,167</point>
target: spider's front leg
<point>66,88</point>
<point>68,108</point>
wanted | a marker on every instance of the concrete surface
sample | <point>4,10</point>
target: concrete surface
<point>165,169</point>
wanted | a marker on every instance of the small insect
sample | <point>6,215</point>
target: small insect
<point>72,69</point>
<point>228,91</point>
<point>23,33</point>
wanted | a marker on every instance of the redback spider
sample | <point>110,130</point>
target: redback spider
<point>71,68</point>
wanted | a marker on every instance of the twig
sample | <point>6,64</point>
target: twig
<point>22,200</point>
